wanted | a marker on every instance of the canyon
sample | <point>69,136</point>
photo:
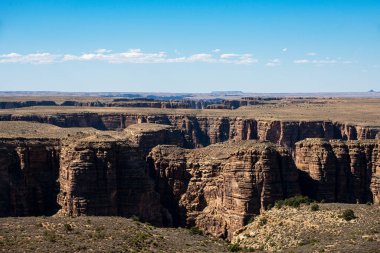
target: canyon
<point>215,171</point>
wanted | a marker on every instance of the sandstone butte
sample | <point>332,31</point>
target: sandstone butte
<point>101,163</point>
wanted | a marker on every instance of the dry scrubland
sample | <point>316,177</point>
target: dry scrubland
<point>99,234</point>
<point>286,229</point>
<point>321,228</point>
<point>356,111</point>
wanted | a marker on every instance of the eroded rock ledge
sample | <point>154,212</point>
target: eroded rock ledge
<point>201,131</point>
<point>79,171</point>
<point>340,171</point>
<point>220,187</point>
<point>46,169</point>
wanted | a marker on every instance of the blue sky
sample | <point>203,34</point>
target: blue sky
<point>190,46</point>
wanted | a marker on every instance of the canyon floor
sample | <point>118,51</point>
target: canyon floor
<point>286,229</point>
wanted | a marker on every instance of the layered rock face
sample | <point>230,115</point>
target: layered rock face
<point>339,171</point>
<point>147,136</point>
<point>19,104</point>
<point>201,131</point>
<point>92,172</point>
<point>219,188</point>
<point>106,177</point>
<point>28,174</point>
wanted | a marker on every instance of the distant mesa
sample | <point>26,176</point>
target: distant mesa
<point>371,90</point>
<point>227,93</point>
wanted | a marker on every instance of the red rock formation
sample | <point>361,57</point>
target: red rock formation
<point>19,104</point>
<point>105,175</point>
<point>339,171</point>
<point>201,131</point>
<point>219,188</point>
<point>28,174</point>
<point>375,178</point>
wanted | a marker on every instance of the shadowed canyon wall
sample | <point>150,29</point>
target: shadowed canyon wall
<point>202,131</point>
<point>28,177</point>
<point>339,171</point>
<point>217,188</point>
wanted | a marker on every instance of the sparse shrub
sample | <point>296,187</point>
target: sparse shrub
<point>348,215</point>
<point>251,219</point>
<point>369,203</point>
<point>135,218</point>
<point>270,206</point>
<point>68,227</point>
<point>314,207</point>
<point>100,228</point>
<point>263,221</point>
<point>323,201</point>
<point>138,240</point>
<point>196,231</point>
<point>234,247</point>
<point>81,247</point>
<point>99,232</point>
<point>295,201</point>
<point>50,236</point>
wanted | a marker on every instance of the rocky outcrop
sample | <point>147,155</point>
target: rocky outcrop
<point>107,175</point>
<point>28,177</point>
<point>201,131</point>
<point>219,188</point>
<point>147,136</point>
<point>92,172</point>
<point>19,104</point>
<point>339,171</point>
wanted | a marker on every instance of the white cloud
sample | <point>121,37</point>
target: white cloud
<point>285,49</point>
<point>312,54</point>
<point>302,61</point>
<point>237,59</point>
<point>273,63</point>
<point>130,56</point>
<point>326,61</point>
<point>36,58</point>
<point>200,58</point>
<point>226,56</point>
<point>217,50</point>
<point>322,61</point>
<point>103,50</point>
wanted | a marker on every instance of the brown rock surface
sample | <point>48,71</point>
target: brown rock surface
<point>203,129</point>
<point>98,173</point>
<point>339,171</point>
<point>219,188</point>
<point>28,174</point>
<point>105,176</point>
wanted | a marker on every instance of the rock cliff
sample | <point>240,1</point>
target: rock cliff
<point>106,176</point>
<point>220,187</point>
<point>91,172</point>
<point>28,174</point>
<point>201,131</point>
<point>339,171</point>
